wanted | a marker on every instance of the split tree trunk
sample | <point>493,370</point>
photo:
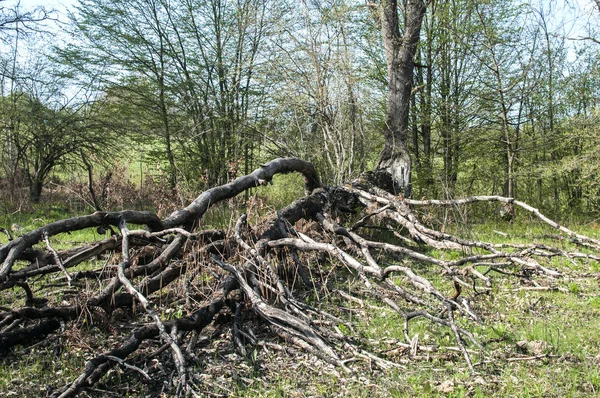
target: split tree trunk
<point>400,50</point>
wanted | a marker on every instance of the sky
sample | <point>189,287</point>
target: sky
<point>577,14</point>
<point>573,16</point>
<point>59,5</point>
<point>35,3</point>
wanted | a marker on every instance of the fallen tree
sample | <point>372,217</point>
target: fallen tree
<point>265,271</point>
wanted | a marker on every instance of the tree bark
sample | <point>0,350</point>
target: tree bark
<point>36,185</point>
<point>400,50</point>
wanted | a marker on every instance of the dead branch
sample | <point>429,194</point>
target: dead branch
<point>308,247</point>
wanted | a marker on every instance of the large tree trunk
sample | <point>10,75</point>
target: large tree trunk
<point>400,50</point>
<point>35,190</point>
<point>36,184</point>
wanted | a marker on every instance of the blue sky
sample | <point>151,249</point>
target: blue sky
<point>577,17</point>
<point>578,14</point>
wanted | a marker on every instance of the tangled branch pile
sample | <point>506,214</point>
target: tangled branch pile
<point>263,271</point>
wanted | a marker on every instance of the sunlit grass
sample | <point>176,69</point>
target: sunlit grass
<point>563,323</point>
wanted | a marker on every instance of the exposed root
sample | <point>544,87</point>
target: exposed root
<point>275,274</point>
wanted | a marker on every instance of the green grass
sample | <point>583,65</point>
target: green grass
<point>41,367</point>
<point>564,324</point>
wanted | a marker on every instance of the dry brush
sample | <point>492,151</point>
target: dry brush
<point>265,271</point>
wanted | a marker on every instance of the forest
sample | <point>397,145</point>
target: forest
<point>203,197</point>
<point>503,103</point>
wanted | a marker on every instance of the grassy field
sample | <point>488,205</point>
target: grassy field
<point>540,337</point>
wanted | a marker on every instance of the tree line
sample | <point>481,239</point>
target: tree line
<point>503,96</point>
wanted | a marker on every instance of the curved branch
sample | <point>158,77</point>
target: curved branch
<point>258,177</point>
<point>11,251</point>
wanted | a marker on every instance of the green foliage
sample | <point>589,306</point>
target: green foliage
<point>530,74</point>
<point>204,97</point>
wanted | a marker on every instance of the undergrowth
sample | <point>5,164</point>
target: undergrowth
<point>540,340</point>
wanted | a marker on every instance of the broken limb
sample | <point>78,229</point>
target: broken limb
<point>149,273</point>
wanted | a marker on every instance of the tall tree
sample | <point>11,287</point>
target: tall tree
<point>128,36</point>
<point>316,55</point>
<point>189,63</point>
<point>400,50</point>
<point>38,119</point>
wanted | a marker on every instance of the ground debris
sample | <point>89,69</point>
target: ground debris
<point>309,290</point>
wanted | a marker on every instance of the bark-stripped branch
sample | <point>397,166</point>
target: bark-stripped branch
<point>306,246</point>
